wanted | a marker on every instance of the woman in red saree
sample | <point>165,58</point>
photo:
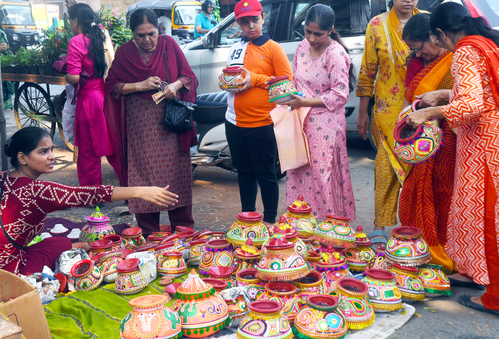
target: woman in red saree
<point>149,154</point>
<point>426,194</point>
<point>473,226</point>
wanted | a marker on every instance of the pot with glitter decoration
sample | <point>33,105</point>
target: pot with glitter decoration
<point>248,225</point>
<point>379,261</point>
<point>359,256</point>
<point>107,263</point>
<point>410,286</point>
<point>196,251</point>
<point>333,267</point>
<point>434,280</point>
<point>285,294</point>
<point>264,320</point>
<point>299,216</point>
<point>291,235</point>
<point>96,228</point>
<point>87,276</point>
<point>246,256</point>
<point>407,247</point>
<point>280,89</point>
<point>336,231</point>
<point>384,294</point>
<point>354,303</point>
<point>231,79</point>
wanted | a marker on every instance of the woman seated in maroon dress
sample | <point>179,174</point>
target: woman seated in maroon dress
<point>26,201</point>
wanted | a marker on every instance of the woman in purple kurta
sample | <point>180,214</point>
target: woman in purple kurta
<point>322,72</point>
<point>148,152</point>
<point>85,67</point>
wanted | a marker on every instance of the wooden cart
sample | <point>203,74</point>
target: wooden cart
<point>34,106</point>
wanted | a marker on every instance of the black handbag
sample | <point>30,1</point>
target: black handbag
<point>178,113</point>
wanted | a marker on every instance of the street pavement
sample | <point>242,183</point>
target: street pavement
<point>216,203</point>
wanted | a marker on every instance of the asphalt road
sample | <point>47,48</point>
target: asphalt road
<point>216,203</point>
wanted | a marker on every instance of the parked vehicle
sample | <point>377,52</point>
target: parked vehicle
<point>284,22</point>
<point>16,18</point>
<point>181,13</point>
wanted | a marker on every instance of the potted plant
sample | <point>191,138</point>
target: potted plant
<point>22,60</point>
<point>5,60</point>
<point>32,56</point>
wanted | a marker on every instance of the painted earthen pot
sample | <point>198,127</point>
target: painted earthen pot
<point>231,79</point>
<point>280,89</point>
<point>87,276</point>
<point>96,228</point>
<point>248,225</point>
<point>222,273</point>
<point>312,259</point>
<point>129,279</point>
<point>379,261</point>
<point>264,320</point>
<point>359,256</point>
<point>157,237</point>
<point>285,294</point>
<point>150,318</point>
<point>107,263</point>
<point>216,253</point>
<point>408,282</point>
<point>248,278</point>
<point>354,303</point>
<point>311,284</point>
<point>435,281</point>
<point>320,319</point>
<point>333,267</point>
<point>132,238</point>
<point>406,247</point>
<point>116,239</point>
<point>146,248</point>
<point>335,230</point>
<point>218,285</point>
<point>246,256</point>
<point>291,235</point>
<point>384,294</point>
<point>196,251</point>
<point>299,216</point>
<point>100,246</point>
<point>171,263</point>
<point>281,262</point>
<point>237,310</point>
<point>203,312</point>
<point>172,243</point>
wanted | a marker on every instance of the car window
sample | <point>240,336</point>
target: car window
<point>489,9</point>
<point>352,16</point>
<point>232,33</point>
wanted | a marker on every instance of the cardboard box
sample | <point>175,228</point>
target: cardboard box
<point>25,309</point>
<point>9,330</point>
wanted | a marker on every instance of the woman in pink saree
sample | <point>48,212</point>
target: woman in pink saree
<point>86,66</point>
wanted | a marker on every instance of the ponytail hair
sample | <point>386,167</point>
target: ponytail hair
<point>91,30</point>
<point>454,18</point>
<point>324,17</point>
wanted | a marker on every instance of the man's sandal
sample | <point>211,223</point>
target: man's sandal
<point>377,237</point>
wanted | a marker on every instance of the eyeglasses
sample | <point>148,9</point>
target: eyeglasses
<point>419,49</point>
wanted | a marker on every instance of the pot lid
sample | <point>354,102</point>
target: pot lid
<point>172,288</point>
<point>113,237</point>
<point>101,244</point>
<point>332,216</point>
<point>182,229</point>
<point>202,234</point>
<point>128,265</point>
<point>331,259</point>
<point>300,206</point>
<point>193,288</point>
<point>232,70</point>
<point>249,216</point>
<point>248,250</point>
<point>277,79</point>
<point>279,242</point>
<point>199,242</point>
<point>132,232</point>
<point>97,216</point>
<point>164,245</point>
<point>379,274</point>
<point>218,284</point>
<point>172,254</point>
<point>361,237</point>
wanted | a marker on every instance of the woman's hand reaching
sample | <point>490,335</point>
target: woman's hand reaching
<point>157,195</point>
<point>170,91</point>
<point>149,84</point>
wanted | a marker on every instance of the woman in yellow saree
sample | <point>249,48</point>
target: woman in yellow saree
<point>427,191</point>
<point>382,73</point>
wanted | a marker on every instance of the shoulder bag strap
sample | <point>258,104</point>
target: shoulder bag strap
<point>15,244</point>
<point>166,66</point>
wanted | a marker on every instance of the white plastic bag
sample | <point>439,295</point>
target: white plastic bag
<point>148,264</point>
<point>68,115</point>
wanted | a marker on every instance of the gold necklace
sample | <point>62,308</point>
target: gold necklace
<point>23,173</point>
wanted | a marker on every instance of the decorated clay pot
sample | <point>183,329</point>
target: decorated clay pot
<point>333,267</point>
<point>203,312</point>
<point>435,281</point>
<point>311,284</point>
<point>379,261</point>
<point>196,251</point>
<point>354,303</point>
<point>150,318</point>
<point>416,145</point>
<point>246,256</point>
<point>216,253</point>
<point>100,246</point>
<point>320,319</point>
<point>107,263</point>
<point>264,320</point>
<point>384,294</point>
<point>312,259</point>
<point>146,248</point>
<point>248,225</point>
<point>116,239</point>
<point>157,237</point>
<point>410,286</point>
<point>237,309</point>
<point>254,286</point>
<point>222,273</point>
<point>308,241</point>
<point>291,235</point>
<point>129,279</point>
<point>171,263</point>
<point>218,285</point>
<point>281,262</point>
<point>231,79</point>
<point>335,231</point>
<point>285,294</point>
<point>86,275</point>
<point>132,238</point>
<point>172,243</point>
<point>186,236</point>
<point>299,216</point>
<point>359,256</point>
<point>406,247</point>
<point>280,89</point>
<point>96,227</point>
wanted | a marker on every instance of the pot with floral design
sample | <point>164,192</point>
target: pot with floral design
<point>171,263</point>
<point>320,319</point>
<point>410,286</point>
<point>359,256</point>
<point>96,228</point>
<point>203,312</point>
<point>311,284</point>
<point>335,230</point>
<point>285,294</point>
<point>384,294</point>
<point>407,247</point>
<point>87,276</point>
<point>248,278</point>
<point>116,240</point>
<point>264,320</point>
<point>354,303</point>
<point>435,281</point>
<point>150,318</point>
<point>216,253</point>
<point>299,216</point>
<point>246,256</point>
<point>248,225</point>
<point>222,273</point>
<point>132,238</point>
<point>129,279</point>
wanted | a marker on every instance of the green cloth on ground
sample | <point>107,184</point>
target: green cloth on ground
<point>97,313</point>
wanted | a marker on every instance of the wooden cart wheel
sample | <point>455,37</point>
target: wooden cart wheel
<point>33,107</point>
<point>59,101</point>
